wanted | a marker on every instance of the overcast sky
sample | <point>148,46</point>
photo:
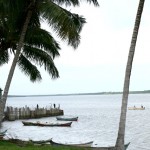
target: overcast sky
<point>99,63</point>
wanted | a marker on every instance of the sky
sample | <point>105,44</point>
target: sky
<point>99,62</point>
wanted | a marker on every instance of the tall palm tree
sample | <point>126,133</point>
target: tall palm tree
<point>67,25</point>
<point>122,123</point>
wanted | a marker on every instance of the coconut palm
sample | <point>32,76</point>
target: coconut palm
<point>39,47</point>
<point>32,48</point>
<point>121,131</point>
<point>67,25</point>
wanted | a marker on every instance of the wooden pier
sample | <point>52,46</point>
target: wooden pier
<point>14,113</point>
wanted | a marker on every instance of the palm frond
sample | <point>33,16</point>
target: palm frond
<point>4,57</point>
<point>43,40</point>
<point>41,58</point>
<point>29,69</point>
<point>67,2</point>
<point>8,39</point>
<point>74,2</point>
<point>67,25</point>
<point>95,2</point>
<point>12,10</point>
<point>35,19</point>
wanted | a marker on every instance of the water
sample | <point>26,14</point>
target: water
<point>98,120</point>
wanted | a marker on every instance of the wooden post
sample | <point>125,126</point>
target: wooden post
<point>11,114</point>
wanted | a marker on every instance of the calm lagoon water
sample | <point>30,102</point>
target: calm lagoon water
<point>98,120</point>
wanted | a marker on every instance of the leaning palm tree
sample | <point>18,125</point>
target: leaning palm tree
<point>67,26</point>
<point>121,131</point>
<point>39,47</point>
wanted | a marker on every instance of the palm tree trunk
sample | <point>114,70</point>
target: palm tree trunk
<point>121,131</point>
<point>12,69</point>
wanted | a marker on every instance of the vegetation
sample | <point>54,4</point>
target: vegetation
<point>98,93</point>
<point>6,145</point>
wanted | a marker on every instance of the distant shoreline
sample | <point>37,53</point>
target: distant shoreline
<point>98,93</point>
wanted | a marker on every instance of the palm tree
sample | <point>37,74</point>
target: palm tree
<point>67,25</point>
<point>121,131</point>
<point>39,47</point>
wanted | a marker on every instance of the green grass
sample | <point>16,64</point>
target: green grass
<point>6,145</point>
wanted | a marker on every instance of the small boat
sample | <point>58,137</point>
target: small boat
<point>136,108</point>
<point>61,118</point>
<point>24,143</point>
<point>112,147</point>
<point>19,142</point>
<point>68,124</point>
<point>41,141</point>
<point>87,144</point>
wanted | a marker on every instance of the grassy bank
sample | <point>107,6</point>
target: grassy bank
<point>6,145</point>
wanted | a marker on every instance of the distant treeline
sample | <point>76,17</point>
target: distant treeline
<point>98,93</point>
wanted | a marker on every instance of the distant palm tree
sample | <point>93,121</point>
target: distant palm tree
<point>121,131</point>
<point>66,24</point>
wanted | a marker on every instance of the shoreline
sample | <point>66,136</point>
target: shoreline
<point>76,94</point>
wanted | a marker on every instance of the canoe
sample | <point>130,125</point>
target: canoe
<point>87,144</point>
<point>25,123</point>
<point>67,118</point>
<point>41,141</point>
<point>19,142</point>
<point>136,108</point>
<point>110,147</point>
<point>24,143</point>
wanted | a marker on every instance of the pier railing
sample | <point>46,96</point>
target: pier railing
<point>14,113</point>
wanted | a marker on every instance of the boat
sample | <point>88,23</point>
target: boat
<point>64,118</point>
<point>87,144</point>
<point>112,147</point>
<point>136,108</point>
<point>26,123</point>
<point>19,142</point>
<point>24,143</point>
<point>40,142</point>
